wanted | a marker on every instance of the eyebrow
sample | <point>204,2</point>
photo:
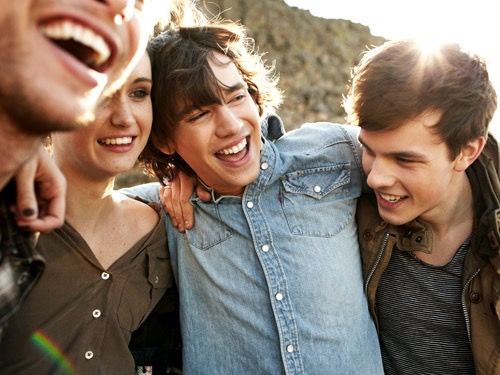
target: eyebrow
<point>226,89</point>
<point>397,154</point>
<point>142,79</point>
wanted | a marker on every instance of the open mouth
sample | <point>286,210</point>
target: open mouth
<point>234,153</point>
<point>83,43</point>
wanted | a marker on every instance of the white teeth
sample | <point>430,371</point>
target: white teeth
<point>116,141</point>
<point>390,198</point>
<point>235,149</point>
<point>66,30</point>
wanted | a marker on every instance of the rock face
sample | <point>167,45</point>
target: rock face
<point>312,55</point>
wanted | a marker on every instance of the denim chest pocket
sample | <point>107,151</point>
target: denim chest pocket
<point>209,230</point>
<point>318,202</point>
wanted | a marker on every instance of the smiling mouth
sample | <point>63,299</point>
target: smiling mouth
<point>83,43</point>
<point>121,141</point>
<point>233,153</point>
<point>391,198</point>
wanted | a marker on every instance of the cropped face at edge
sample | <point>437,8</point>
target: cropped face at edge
<point>58,56</point>
<point>221,142</point>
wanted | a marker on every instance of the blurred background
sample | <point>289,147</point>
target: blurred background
<point>315,43</point>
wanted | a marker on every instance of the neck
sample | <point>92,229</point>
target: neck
<point>16,147</point>
<point>452,225</point>
<point>457,211</point>
<point>87,201</point>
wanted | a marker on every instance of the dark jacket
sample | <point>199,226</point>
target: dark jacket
<point>481,276</point>
<point>20,264</point>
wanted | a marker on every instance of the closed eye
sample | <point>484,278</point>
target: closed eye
<point>196,116</point>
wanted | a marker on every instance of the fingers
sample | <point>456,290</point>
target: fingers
<point>41,187</point>
<point>202,193</point>
<point>166,200</point>
<point>176,198</point>
<point>26,203</point>
<point>185,193</point>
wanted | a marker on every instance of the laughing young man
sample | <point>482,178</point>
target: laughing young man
<point>270,277</point>
<point>431,254</point>
<point>57,58</point>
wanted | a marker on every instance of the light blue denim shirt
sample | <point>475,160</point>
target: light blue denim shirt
<point>271,282</point>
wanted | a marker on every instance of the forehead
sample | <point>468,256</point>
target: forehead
<point>142,69</point>
<point>414,134</point>
<point>224,69</point>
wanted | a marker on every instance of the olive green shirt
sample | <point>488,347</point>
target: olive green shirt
<point>79,317</point>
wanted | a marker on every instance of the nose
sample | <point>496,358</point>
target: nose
<point>228,122</point>
<point>379,174</point>
<point>121,115</point>
<point>122,10</point>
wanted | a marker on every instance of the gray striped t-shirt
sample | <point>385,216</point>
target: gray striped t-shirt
<point>422,324</point>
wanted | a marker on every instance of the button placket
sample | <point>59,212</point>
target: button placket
<point>283,311</point>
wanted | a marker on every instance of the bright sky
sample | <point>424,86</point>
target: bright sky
<point>474,24</point>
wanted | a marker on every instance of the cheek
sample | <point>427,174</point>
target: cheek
<point>144,117</point>
<point>366,162</point>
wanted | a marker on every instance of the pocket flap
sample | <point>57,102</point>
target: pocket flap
<point>317,182</point>
<point>159,269</point>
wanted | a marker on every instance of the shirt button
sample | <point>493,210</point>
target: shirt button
<point>250,204</point>
<point>157,279</point>
<point>104,275</point>
<point>96,313</point>
<point>265,248</point>
<point>264,166</point>
<point>89,354</point>
<point>22,278</point>
<point>290,348</point>
<point>279,296</point>
<point>317,188</point>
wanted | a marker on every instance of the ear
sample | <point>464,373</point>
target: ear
<point>167,148</point>
<point>469,153</point>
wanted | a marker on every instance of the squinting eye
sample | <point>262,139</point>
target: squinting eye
<point>197,116</point>
<point>239,98</point>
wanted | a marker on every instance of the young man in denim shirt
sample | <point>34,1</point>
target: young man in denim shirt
<point>270,277</point>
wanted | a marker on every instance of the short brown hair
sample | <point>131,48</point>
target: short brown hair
<point>398,81</point>
<point>182,75</point>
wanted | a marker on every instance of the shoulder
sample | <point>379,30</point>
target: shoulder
<point>329,142</point>
<point>145,192</point>
<point>140,215</point>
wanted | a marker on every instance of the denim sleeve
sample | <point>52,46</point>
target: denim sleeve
<point>148,192</point>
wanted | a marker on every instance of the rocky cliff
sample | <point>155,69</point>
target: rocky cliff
<point>312,55</point>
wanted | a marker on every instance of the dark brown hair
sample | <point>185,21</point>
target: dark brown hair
<point>182,77</point>
<point>398,81</point>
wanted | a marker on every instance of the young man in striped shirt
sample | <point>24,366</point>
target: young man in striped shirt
<point>431,252</point>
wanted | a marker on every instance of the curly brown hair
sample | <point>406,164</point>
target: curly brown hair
<point>182,76</point>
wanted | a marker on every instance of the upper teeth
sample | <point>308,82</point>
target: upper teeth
<point>68,30</point>
<point>390,198</point>
<point>235,149</point>
<point>116,141</point>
